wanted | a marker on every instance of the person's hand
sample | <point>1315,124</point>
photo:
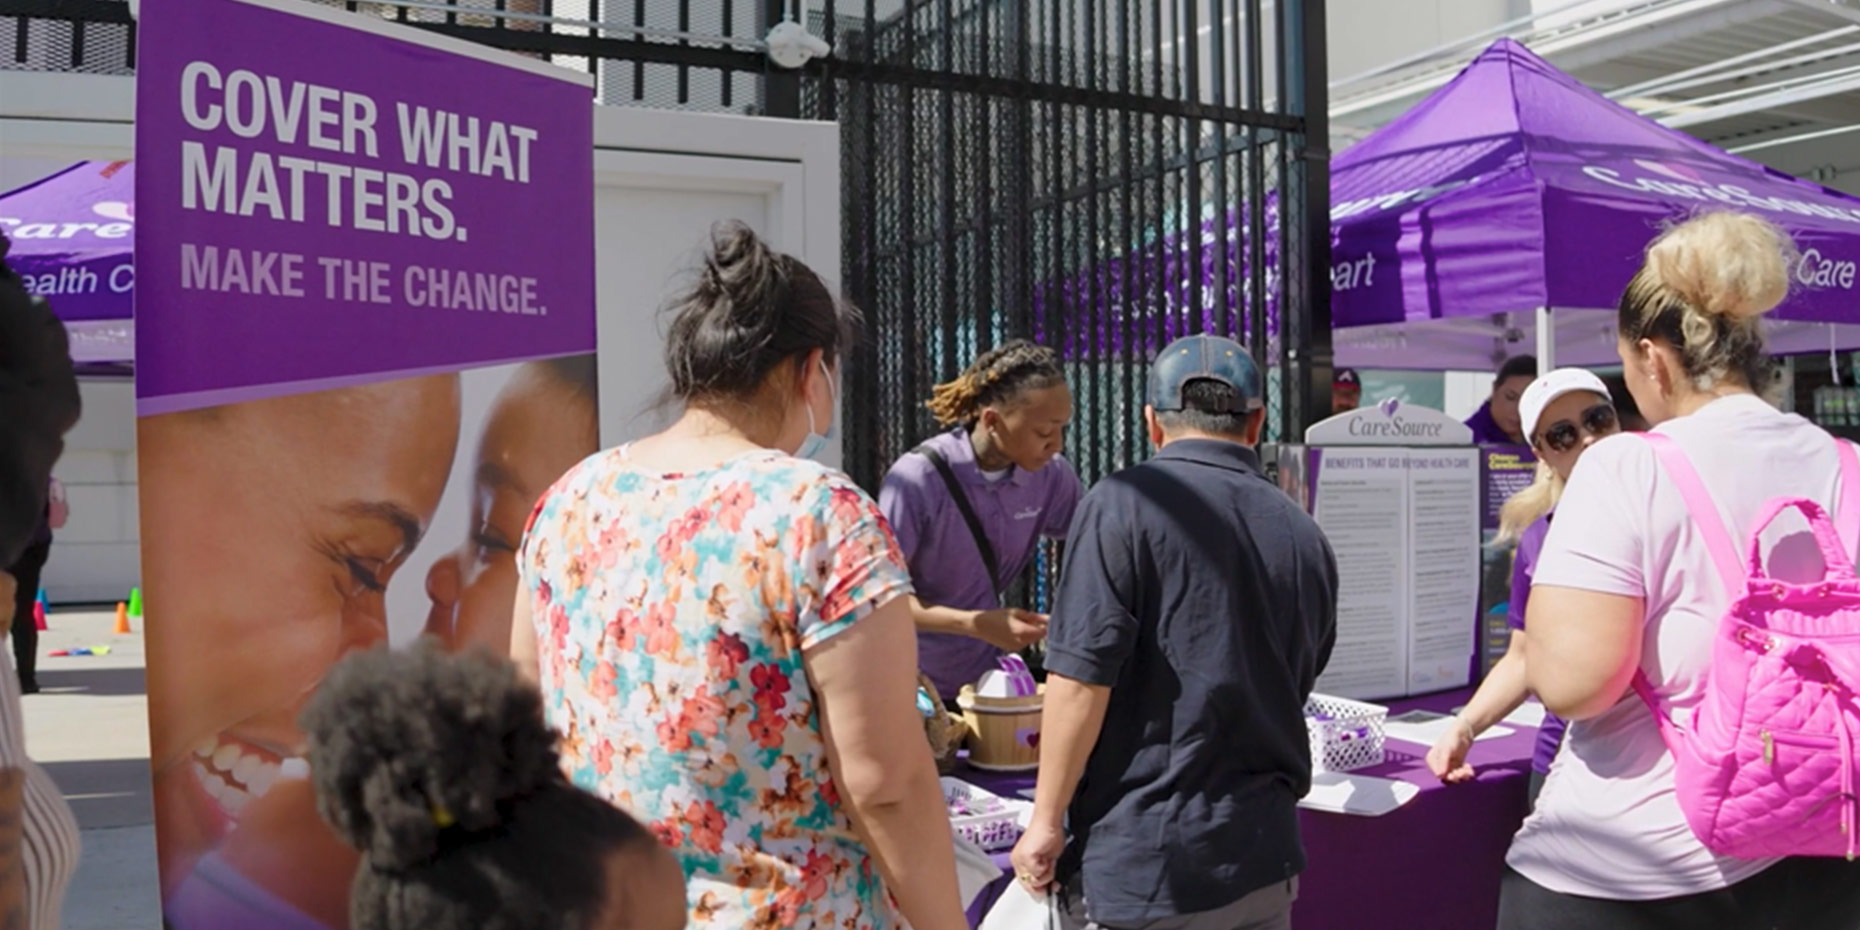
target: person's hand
<point>1036,857</point>
<point>1447,760</point>
<point>1010,629</point>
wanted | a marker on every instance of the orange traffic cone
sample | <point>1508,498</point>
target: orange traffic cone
<point>122,618</point>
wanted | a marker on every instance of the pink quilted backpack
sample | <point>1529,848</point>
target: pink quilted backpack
<point>1766,766</point>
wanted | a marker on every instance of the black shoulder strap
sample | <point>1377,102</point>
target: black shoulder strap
<point>968,514</point>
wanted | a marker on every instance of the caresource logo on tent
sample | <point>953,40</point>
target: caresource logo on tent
<point>1682,173</point>
<point>119,221</point>
<point>1813,268</point>
<point>1686,183</point>
<point>1411,196</point>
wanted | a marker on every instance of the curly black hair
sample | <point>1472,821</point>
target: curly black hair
<point>440,769</point>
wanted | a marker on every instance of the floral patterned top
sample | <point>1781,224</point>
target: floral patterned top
<point>671,612</point>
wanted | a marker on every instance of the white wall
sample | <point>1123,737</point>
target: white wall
<point>1465,392</point>
<point>655,201</point>
<point>95,557</point>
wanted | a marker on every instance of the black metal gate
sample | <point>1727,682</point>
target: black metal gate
<point>1098,176</point>
<point>1101,176</point>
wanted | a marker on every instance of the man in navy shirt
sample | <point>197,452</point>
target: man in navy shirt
<point>1196,609</point>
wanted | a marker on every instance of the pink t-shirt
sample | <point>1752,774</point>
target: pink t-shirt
<point>1607,824</point>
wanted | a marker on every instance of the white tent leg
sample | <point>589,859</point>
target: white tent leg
<point>1546,340</point>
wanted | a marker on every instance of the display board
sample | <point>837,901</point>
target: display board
<point>365,286</point>
<point>1396,490</point>
<point>1507,470</point>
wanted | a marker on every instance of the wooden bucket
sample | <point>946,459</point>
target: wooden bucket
<point>1004,733</point>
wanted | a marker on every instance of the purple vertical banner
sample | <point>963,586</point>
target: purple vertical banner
<point>326,198</point>
<point>1504,471</point>
<point>365,308</point>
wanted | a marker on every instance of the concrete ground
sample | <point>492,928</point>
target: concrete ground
<point>89,729</point>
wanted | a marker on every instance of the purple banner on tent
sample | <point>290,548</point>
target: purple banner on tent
<point>1515,186</point>
<point>326,197</point>
<point>72,235</point>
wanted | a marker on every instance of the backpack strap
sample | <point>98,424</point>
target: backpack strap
<point>1847,508</point>
<point>1704,511</point>
<point>961,498</point>
<point>1717,541</point>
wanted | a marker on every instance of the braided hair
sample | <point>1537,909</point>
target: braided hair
<point>999,375</point>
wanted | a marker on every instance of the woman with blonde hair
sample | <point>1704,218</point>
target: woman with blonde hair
<point>1627,587</point>
<point>1563,413</point>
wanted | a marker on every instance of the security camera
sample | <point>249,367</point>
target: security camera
<point>791,45</point>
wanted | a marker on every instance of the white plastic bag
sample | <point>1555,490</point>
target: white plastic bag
<point>975,869</point>
<point>1020,909</point>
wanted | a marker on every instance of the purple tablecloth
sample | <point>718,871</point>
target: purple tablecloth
<point>1434,863</point>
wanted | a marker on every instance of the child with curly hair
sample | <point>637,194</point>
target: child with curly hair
<point>439,769</point>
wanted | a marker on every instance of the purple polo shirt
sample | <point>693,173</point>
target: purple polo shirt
<point>1523,567</point>
<point>946,567</point>
<point>1486,431</point>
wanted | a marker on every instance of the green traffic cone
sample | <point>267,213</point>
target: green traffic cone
<point>135,603</point>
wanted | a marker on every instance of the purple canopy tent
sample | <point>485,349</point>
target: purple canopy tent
<point>1512,195</point>
<point>1514,189</point>
<point>72,236</point>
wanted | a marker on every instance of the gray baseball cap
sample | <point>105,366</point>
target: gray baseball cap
<point>1193,358</point>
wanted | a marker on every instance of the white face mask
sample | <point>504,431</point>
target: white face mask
<point>814,443</point>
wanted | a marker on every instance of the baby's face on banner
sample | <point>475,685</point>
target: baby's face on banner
<point>539,429</point>
<point>272,530</point>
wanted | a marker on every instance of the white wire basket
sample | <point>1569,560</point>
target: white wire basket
<point>994,830</point>
<point>1345,735</point>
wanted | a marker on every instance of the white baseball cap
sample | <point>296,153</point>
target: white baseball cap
<point>1548,388</point>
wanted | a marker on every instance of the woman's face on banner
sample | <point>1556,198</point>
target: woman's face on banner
<point>274,528</point>
<point>539,428</point>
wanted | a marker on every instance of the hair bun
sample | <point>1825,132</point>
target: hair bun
<point>409,747</point>
<point>1724,263</point>
<point>741,270</point>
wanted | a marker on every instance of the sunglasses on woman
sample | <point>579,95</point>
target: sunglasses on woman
<point>1598,421</point>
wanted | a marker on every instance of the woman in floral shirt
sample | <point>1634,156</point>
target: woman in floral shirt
<point>722,633</point>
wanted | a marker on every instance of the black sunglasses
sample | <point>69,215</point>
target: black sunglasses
<point>1598,421</point>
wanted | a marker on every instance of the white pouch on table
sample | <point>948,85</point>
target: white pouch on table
<point>974,869</point>
<point>1020,909</point>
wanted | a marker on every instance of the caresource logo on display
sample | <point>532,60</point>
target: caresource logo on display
<point>1390,423</point>
<point>1682,182</point>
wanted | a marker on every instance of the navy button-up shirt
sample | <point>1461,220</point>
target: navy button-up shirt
<point>1205,598</point>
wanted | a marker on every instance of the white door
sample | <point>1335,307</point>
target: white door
<point>662,179</point>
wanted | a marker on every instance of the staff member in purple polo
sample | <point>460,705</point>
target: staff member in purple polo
<point>1496,421</point>
<point>970,506</point>
<point>1563,413</point>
